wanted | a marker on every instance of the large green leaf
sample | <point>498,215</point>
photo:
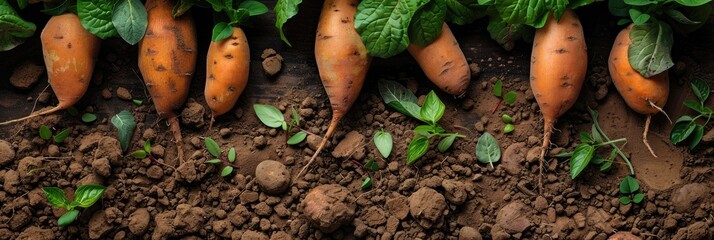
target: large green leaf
<point>697,17</point>
<point>582,155</point>
<point>284,10</point>
<point>96,17</point>
<point>124,122</point>
<point>130,20</point>
<point>529,12</point>
<point>383,25</point>
<point>693,3</point>
<point>13,29</point>
<point>427,22</point>
<point>504,33</point>
<point>651,46</point>
<point>463,12</point>
<point>399,98</point>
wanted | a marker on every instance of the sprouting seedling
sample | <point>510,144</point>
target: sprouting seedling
<point>630,188</point>
<point>137,102</point>
<point>85,196</point>
<point>508,120</point>
<point>272,117</point>
<point>383,142</point>
<point>89,117</point>
<point>372,167</point>
<point>144,152</point>
<point>228,164</point>
<point>509,98</point>
<point>46,134</point>
<point>586,152</point>
<point>686,127</point>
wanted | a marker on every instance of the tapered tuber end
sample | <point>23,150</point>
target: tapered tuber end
<point>213,118</point>
<point>333,125</point>
<point>36,114</point>
<point>176,129</point>
<point>644,135</point>
<point>547,131</point>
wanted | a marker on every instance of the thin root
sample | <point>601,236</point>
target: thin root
<point>644,135</point>
<point>36,114</point>
<point>330,130</point>
<point>660,110</point>
<point>547,131</point>
<point>176,129</point>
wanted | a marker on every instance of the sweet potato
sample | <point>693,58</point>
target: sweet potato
<point>644,95</point>
<point>167,60</point>
<point>558,64</point>
<point>342,61</point>
<point>443,62</point>
<point>70,52</point>
<point>227,67</point>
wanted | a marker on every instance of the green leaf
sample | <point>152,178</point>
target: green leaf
<point>625,200</point>
<point>463,12</point>
<point>586,138</point>
<point>446,143</point>
<point>624,21</point>
<point>638,17</point>
<point>232,155</point>
<point>692,3</point>
<point>55,196</point>
<point>510,97</point>
<point>147,146</point>
<point>55,8</point>
<point>681,131</point>
<point>424,129</point>
<point>237,16</point>
<point>597,137</point>
<point>618,8</point>
<point>284,10</point>
<point>638,197</point>
<point>217,5</point>
<point>13,29</point>
<point>506,34</point>
<point>371,165</point>
<point>564,154</point>
<point>254,8</point>
<point>125,124</point>
<point>73,111</point>
<point>297,138</point>
<point>22,4</point>
<point>399,98</point>
<point>701,89</point>
<point>221,31</point>
<point>417,148</point>
<point>698,14</point>
<point>182,7</point>
<point>296,116</point>
<point>96,17</point>
<point>89,117</point>
<point>629,185</point>
<point>383,142</point>
<point>557,7</point>
<point>530,12</point>
<point>427,23</point>
<point>137,102</point>
<point>509,128</point>
<point>506,118</point>
<point>212,147</point>
<point>678,16</point>
<point>130,20</point>
<point>498,88</point>
<point>606,165</point>
<point>226,171</point>
<point>651,46</point>
<point>696,137</point>
<point>487,149</point>
<point>433,109</point>
<point>582,155</point>
<point>640,2</point>
<point>367,183</point>
<point>213,161</point>
<point>61,136</point>
<point>45,132</point>
<point>139,154</point>
<point>694,105</point>
<point>68,218</point>
<point>86,195</point>
<point>269,115</point>
<point>597,159</point>
<point>383,25</point>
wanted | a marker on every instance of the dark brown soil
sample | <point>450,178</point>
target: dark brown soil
<point>442,196</point>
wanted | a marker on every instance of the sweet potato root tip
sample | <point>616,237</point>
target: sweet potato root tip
<point>333,125</point>
<point>36,114</point>
<point>547,131</point>
<point>176,129</point>
<point>644,135</point>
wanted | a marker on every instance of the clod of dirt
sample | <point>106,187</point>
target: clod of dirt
<point>272,177</point>
<point>272,62</point>
<point>695,231</point>
<point>398,206</point>
<point>189,219</point>
<point>511,219</point>
<point>164,225</point>
<point>254,235</point>
<point>139,221</point>
<point>469,233</point>
<point>36,233</point>
<point>106,94</point>
<point>374,216</point>
<point>455,191</point>
<point>624,236</point>
<point>684,198</point>
<point>427,206</point>
<point>348,145</point>
<point>109,147</point>
<point>281,236</point>
<point>98,225</point>
<point>44,97</point>
<point>709,136</point>
<point>101,166</point>
<point>123,94</point>
<point>27,167</point>
<point>192,114</point>
<point>20,219</point>
<point>7,153</point>
<point>10,182</point>
<point>268,52</point>
<point>329,206</point>
<point>26,75</point>
<point>513,156</point>
<point>313,141</point>
<point>186,172</point>
<point>475,70</point>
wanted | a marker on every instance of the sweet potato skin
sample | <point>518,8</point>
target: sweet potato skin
<point>167,56</point>
<point>70,52</point>
<point>443,62</point>
<point>558,64</point>
<point>636,90</point>
<point>227,68</point>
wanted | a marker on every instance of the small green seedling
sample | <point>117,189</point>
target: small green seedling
<point>686,127</point>
<point>509,98</point>
<point>125,124</point>
<point>89,117</point>
<point>404,101</point>
<point>383,142</point>
<point>508,120</point>
<point>228,164</point>
<point>85,196</point>
<point>586,152</point>
<point>630,188</point>
<point>371,167</point>
<point>143,153</point>
<point>487,149</point>
<point>46,134</point>
<point>137,102</point>
<point>272,117</point>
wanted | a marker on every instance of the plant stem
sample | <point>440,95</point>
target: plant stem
<point>619,152</point>
<point>611,142</point>
<point>500,100</point>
